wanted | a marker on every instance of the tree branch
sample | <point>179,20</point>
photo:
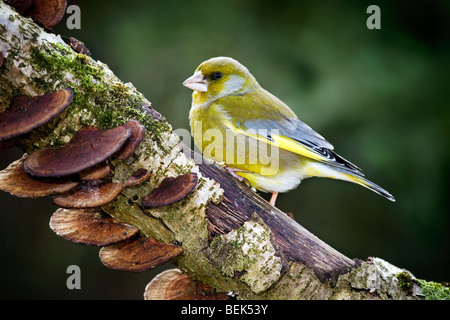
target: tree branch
<point>231,239</point>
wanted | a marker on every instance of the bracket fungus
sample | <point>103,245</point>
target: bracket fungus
<point>137,135</point>
<point>172,284</point>
<point>21,6</point>
<point>89,147</point>
<point>139,255</point>
<point>17,182</point>
<point>90,227</point>
<point>92,194</point>
<point>97,172</point>
<point>171,190</point>
<point>26,114</point>
<point>47,12</point>
<point>138,177</point>
<point>77,45</point>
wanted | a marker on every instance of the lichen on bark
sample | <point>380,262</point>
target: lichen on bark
<point>249,253</point>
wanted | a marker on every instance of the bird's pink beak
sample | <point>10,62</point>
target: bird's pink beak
<point>197,82</point>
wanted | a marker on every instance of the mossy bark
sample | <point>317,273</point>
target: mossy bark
<point>249,260</point>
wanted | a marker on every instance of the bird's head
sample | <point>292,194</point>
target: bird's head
<point>219,77</point>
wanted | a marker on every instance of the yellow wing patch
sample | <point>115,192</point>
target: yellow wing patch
<point>281,142</point>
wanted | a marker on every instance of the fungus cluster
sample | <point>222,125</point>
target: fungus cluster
<point>79,175</point>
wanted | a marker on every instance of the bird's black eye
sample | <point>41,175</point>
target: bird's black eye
<point>217,75</point>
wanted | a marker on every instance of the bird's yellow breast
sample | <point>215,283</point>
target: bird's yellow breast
<point>266,167</point>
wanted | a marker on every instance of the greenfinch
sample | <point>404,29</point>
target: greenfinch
<point>257,137</point>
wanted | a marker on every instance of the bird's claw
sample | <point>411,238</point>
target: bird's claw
<point>241,179</point>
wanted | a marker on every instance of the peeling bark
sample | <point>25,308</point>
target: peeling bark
<point>231,238</point>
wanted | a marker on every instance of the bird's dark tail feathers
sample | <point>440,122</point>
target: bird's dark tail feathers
<point>369,185</point>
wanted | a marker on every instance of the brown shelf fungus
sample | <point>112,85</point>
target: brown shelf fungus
<point>20,5</point>
<point>138,177</point>
<point>90,227</point>
<point>77,45</point>
<point>171,190</point>
<point>138,255</point>
<point>17,182</point>
<point>172,284</point>
<point>135,139</point>
<point>47,12</point>
<point>89,147</point>
<point>97,172</point>
<point>91,194</point>
<point>25,114</point>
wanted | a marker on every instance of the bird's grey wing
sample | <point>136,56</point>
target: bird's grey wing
<point>305,135</point>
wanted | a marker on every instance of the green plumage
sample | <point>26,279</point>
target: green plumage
<point>234,121</point>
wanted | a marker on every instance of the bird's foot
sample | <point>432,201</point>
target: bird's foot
<point>273,198</point>
<point>233,171</point>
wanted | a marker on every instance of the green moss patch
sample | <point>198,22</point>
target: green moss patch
<point>434,291</point>
<point>96,90</point>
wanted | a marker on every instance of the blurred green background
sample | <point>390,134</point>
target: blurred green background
<point>380,96</point>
